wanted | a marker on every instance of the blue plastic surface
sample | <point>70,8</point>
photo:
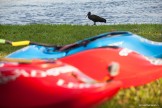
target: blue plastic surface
<point>122,39</point>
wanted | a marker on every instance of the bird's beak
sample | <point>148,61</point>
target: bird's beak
<point>86,16</point>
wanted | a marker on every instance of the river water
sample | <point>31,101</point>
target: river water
<point>75,11</point>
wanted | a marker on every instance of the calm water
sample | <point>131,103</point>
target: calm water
<point>74,11</point>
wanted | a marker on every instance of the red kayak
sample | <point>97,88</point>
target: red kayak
<point>54,84</point>
<point>135,69</point>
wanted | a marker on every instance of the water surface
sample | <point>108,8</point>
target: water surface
<point>75,11</point>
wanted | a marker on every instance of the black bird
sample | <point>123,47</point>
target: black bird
<point>95,18</point>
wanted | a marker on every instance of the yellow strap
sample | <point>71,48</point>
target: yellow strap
<point>20,43</point>
<point>15,60</point>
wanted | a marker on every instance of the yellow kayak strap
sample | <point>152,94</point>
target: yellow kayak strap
<point>20,43</point>
<point>15,60</point>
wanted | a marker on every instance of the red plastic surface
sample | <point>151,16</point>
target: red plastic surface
<point>135,69</point>
<point>50,84</point>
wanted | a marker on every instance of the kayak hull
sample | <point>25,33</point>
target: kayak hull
<point>135,69</point>
<point>122,39</point>
<point>51,84</point>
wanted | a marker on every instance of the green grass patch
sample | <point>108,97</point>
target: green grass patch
<point>144,96</point>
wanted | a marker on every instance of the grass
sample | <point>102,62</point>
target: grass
<point>146,96</point>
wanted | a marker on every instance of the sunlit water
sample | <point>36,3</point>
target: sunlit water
<point>75,11</point>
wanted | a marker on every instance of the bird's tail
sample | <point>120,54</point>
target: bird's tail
<point>105,21</point>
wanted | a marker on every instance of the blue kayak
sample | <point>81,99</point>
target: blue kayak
<point>121,39</point>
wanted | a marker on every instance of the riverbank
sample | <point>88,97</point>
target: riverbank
<point>147,95</point>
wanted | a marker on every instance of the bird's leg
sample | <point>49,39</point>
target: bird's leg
<point>94,23</point>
